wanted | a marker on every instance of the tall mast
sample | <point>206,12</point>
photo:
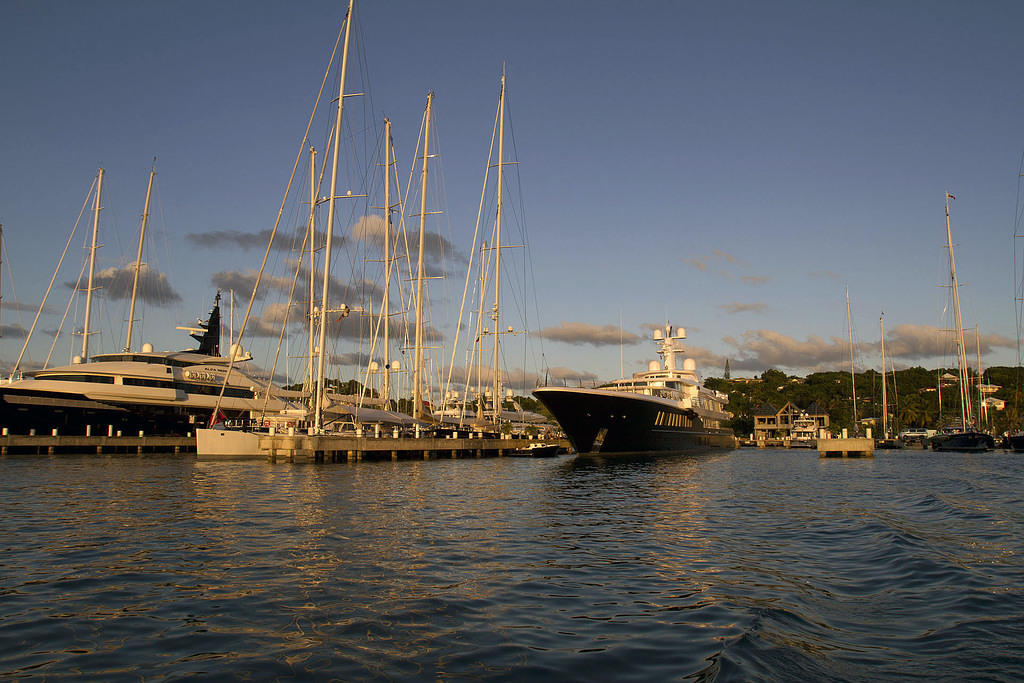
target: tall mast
<point>138,258</point>
<point>311,230</point>
<point>981,398</point>
<point>92,266</point>
<point>853,378</point>
<point>322,350</point>
<point>479,348</point>
<point>495,314</point>
<point>417,388</point>
<point>385,312</point>
<point>965,404</point>
<point>885,403</point>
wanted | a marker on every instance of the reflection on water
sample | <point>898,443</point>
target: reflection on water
<point>744,565</point>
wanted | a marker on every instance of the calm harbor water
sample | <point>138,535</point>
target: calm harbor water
<point>749,565</point>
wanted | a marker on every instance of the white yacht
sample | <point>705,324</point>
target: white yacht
<point>158,393</point>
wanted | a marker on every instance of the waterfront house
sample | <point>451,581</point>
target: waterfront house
<point>771,423</point>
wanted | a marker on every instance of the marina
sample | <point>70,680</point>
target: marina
<point>431,441</point>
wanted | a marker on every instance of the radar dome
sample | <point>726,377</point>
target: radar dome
<point>653,366</point>
<point>689,364</point>
<point>147,348</point>
<point>659,335</point>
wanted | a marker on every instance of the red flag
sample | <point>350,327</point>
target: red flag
<point>950,196</point>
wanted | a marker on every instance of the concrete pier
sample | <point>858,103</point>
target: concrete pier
<point>851,447</point>
<point>52,444</point>
<point>331,448</point>
<point>274,447</point>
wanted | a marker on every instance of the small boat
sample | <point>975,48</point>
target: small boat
<point>962,440</point>
<point>804,432</point>
<point>914,437</point>
<point>538,449</point>
<point>664,409</point>
<point>886,443</point>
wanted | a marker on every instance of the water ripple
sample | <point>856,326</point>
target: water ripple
<point>762,565</point>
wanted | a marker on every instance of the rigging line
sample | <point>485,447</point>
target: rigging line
<point>67,308</point>
<point>10,278</point>
<point>386,271</point>
<point>284,327</point>
<point>472,252</point>
<point>476,355</point>
<point>277,221</point>
<point>408,189</point>
<point>56,270</point>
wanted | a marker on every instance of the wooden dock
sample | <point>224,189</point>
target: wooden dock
<point>277,447</point>
<point>338,448</point>
<point>53,444</point>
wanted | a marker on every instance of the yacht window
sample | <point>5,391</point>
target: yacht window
<point>98,379</point>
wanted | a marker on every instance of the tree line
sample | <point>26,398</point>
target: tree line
<point>913,397</point>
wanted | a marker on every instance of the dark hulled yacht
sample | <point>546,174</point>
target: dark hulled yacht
<point>664,409</point>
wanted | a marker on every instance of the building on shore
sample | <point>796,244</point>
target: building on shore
<point>771,423</point>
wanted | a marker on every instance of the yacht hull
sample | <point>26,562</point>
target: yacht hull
<point>963,442</point>
<point>23,411</point>
<point>597,421</point>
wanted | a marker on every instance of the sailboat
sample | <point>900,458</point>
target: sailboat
<point>886,442</point>
<point>960,436</point>
<point>489,411</point>
<point>327,412</point>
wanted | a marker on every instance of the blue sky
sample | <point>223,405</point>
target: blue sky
<point>730,167</point>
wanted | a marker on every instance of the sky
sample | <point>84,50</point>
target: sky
<point>729,167</point>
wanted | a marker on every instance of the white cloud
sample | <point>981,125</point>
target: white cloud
<point>585,333</point>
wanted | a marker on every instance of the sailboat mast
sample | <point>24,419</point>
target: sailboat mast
<point>92,266</point>
<point>385,311</point>
<point>885,403</point>
<point>853,378</point>
<point>321,349</point>
<point>981,399</point>
<point>495,315</point>
<point>311,230</point>
<point>417,386</point>
<point>138,258</point>
<point>965,405</point>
